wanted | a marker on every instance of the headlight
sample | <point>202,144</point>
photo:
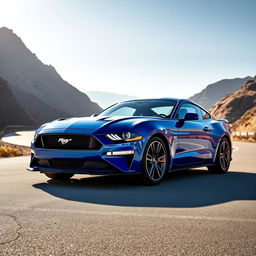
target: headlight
<point>125,136</point>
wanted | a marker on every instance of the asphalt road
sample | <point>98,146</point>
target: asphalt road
<point>191,213</point>
<point>22,138</point>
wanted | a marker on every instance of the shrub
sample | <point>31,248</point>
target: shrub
<point>6,151</point>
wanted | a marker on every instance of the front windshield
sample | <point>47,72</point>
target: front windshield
<point>162,108</point>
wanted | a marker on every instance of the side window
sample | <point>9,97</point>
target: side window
<point>189,108</point>
<point>205,115</point>
<point>166,110</point>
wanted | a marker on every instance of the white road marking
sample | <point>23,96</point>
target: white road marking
<point>235,148</point>
<point>130,214</point>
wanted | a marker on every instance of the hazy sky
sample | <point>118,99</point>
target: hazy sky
<point>142,48</point>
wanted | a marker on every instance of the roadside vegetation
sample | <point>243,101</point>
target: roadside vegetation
<point>9,150</point>
<point>245,138</point>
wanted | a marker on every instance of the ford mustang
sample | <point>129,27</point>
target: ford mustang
<point>149,137</point>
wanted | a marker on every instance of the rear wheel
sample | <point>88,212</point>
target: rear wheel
<point>223,158</point>
<point>155,162</point>
<point>58,176</point>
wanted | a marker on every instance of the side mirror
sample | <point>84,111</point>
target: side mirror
<point>93,115</point>
<point>191,116</point>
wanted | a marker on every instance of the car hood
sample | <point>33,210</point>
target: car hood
<point>100,123</point>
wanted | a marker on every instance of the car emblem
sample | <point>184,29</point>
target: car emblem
<point>64,141</point>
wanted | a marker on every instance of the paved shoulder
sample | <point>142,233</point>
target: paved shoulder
<point>19,138</point>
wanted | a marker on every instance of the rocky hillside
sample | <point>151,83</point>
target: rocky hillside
<point>247,123</point>
<point>239,106</point>
<point>38,88</point>
<point>11,112</point>
<point>216,91</point>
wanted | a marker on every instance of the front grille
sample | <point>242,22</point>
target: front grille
<point>61,163</point>
<point>74,163</point>
<point>69,142</point>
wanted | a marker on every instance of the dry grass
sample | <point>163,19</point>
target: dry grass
<point>6,151</point>
<point>244,139</point>
<point>9,150</point>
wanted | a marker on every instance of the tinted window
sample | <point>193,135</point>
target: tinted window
<point>141,108</point>
<point>166,110</point>
<point>205,115</point>
<point>188,108</point>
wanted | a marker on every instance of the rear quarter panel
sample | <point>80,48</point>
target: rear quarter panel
<point>220,130</point>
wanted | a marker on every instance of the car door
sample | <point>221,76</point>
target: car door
<point>193,137</point>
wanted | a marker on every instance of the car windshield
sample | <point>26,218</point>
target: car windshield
<point>162,108</point>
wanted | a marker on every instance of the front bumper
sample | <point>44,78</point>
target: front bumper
<point>88,161</point>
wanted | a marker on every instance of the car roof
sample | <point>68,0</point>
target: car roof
<point>176,99</point>
<point>179,102</point>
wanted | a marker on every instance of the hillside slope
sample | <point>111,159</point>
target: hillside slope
<point>216,91</point>
<point>247,123</point>
<point>235,105</point>
<point>38,87</point>
<point>11,112</point>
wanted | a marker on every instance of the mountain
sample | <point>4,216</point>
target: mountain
<point>238,106</point>
<point>106,99</point>
<point>11,112</point>
<point>214,92</point>
<point>38,88</point>
<point>246,123</point>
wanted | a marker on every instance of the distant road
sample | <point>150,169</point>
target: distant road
<point>191,213</point>
<point>22,138</point>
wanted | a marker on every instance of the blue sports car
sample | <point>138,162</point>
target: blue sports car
<point>150,137</point>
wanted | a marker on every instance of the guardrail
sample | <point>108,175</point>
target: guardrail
<point>244,135</point>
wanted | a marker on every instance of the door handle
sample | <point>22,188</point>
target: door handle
<point>207,129</point>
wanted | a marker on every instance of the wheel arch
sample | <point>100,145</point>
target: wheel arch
<point>165,141</point>
<point>224,136</point>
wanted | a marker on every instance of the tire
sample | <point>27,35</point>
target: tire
<point>58,176</point>
<point>223,158</point>
<point>155,162</point>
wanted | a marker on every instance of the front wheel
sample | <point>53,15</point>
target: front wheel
<point>155,162</point>
<point>58,176</point>
<point>223,158</point>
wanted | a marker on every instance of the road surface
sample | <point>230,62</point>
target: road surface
<point>22,138</point>
<point>191,213</point>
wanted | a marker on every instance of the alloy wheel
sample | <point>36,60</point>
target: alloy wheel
<point>225,155</point>
<point>156,160</point>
